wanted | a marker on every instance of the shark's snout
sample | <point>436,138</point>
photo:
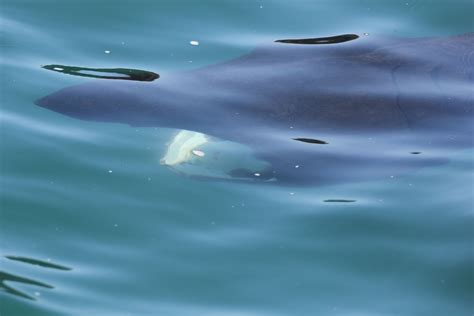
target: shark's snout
<point>49,102</point>
<point>107,102</point>
<point>90,101</point>
<point>70,101</point>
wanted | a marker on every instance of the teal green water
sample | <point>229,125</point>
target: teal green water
<point>92,224</point>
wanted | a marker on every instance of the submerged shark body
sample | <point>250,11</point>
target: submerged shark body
<point>363,109</point>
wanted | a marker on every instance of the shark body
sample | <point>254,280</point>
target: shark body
<point>359,109</point>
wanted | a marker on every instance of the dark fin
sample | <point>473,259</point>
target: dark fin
<point>321,40</point>
<point>105,73</point>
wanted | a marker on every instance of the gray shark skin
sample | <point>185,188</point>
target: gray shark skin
<point>320,114</point>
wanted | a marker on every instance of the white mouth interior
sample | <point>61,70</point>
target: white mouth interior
<point>195,154</point>
<point>182,146</point>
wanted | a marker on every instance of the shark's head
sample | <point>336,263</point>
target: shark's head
<point>121,102</point>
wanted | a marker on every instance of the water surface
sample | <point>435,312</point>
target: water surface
<point>92,224</point>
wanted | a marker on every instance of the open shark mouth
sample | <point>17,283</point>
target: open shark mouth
<point>197,155</point>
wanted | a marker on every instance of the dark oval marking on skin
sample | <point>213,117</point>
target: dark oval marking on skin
<point>127,74</point>
<point>40,263</point>
<point>321,40</point>
<point>339,201</point>
<point>415,152</point>
<point>311,140</point>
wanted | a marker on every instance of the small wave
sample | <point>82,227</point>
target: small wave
<point>44,128</point>
<point>8,277</point>
<point>41,263</point>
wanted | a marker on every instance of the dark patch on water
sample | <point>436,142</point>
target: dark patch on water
<point>311,140</point>
<point>36,262</point>
<point>105,73</point>
<point>320,40</point>
<point>415,152</point>
<point>7,277</point>
<point>339,201</point>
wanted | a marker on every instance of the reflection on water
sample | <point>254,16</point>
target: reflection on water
<point>41,263</point>
<point>105,73</point>
<point>321,40</point>
<point>6,277</point>
<point>311,140</point>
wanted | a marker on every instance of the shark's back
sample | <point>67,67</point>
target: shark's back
<point>366,83</point>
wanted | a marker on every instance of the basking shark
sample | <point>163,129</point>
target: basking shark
<point>319,111</point>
